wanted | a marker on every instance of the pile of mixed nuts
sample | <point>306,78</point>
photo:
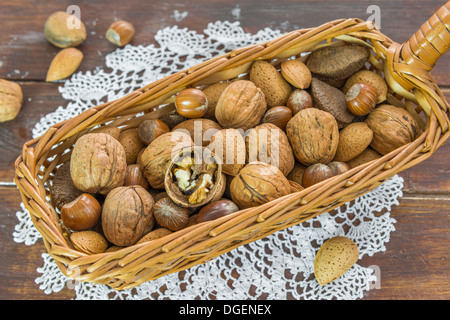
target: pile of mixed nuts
<point>283,127</point>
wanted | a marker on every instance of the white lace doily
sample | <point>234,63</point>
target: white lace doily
<point>278,267</point>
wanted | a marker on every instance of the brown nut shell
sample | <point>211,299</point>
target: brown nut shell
<point>191,103</point>
<point>228,145</point>
<point>353,140</point>
<point>278,116</point>
<point>97,163</point>
<point>314,136</point>
<point>157,157</point>
<point>334,258</point>
<point>371,78</point>
<point>392,128</point>
<point>201,182</point>
<point>258,183</point>
<point>151,129</point>
<point>241,105</point>
<point>316,173</point>
<point>200,130</point>
<point>58,31</point>
<point>296,73</point>
<point>216,209</point>
<point>154,234</point>
<point>132,144</point>
<point>120,33</point>
<point>82,213</point>
<point>268,143</point>
<point>275,88</point>
<point>89,242</point>
<point>298,100</point>
<point>331,100</point>
<point>127,215</point>
<point>169,215</point>
<point>11,100</point>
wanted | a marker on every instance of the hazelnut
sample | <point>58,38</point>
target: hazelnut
<point>169,215</point>
<point>316,173</point>
<point>216,209</point>
<point>127,215</point>
<point>120,33</point>
<point>11,99</point>
<point>371,78</point>
<point>338,167</point>
<point>191,103</point>
<point>97,163</point>
<point>151,129</point>
<point>135,177</point>
<point>82,213</point>
<point>278,116</point>
<point>298,100</point>
<point>361,99</point>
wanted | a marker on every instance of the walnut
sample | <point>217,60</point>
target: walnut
<point>127,215</point>
<point>258,183</point>
<point>392,128</point>
<point>229,146</point>
<point>241,105</point>
<point>195,178</point>
<point>157,157</point>
<point>98,163</point>
<point>314,136</point>
<point>200,130</point>
<point>268,143</point>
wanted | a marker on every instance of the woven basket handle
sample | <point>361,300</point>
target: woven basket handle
<point>430,42</point>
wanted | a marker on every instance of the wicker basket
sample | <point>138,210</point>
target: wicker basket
<point>405,67</point>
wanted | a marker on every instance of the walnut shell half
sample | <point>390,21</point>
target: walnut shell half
<point>258,183</point>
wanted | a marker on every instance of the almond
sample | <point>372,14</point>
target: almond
<point>334,258</point>
<point>353,140</point>
<point>64,64</point>
<point>154,234</point>
<point>275,88</point>
<point>366,156</point>
<point>296,73</point>
<point>89,242</point>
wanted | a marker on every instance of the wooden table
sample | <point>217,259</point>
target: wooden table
<point>416,263</point>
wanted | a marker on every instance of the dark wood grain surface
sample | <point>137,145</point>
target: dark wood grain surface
<point>416,262</point>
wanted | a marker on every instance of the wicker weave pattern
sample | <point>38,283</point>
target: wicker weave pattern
<point>406,68</point>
